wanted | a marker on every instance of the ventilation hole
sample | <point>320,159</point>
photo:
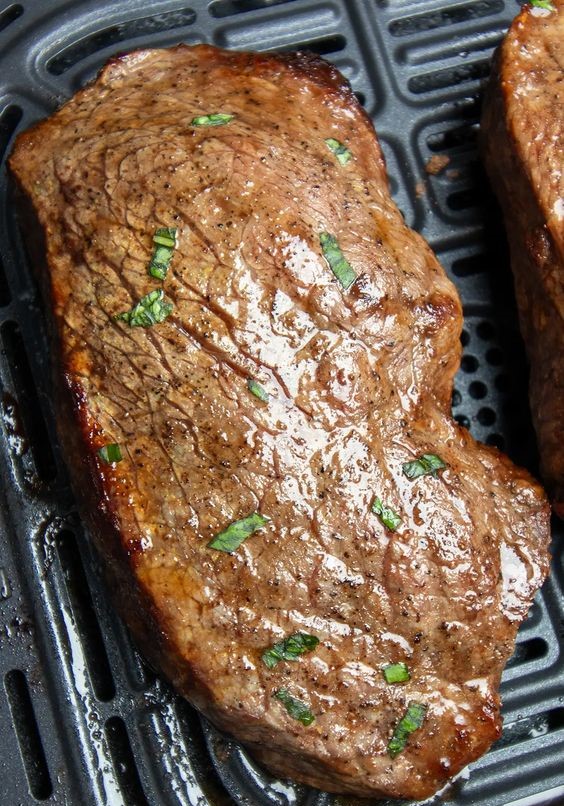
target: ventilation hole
<point>502,383</point>
<point>468,266</point>
<point>130,29</point>
<point>9,15</point>
<point>487,416</point>
<point>464,199</point>
<point>140,676</point>
<point>5,295</point>
<point>361,98</point>
<point>527,651</point>
<point>496,441</point>
<point>449,77</point>
<point>485,331</point>
<point>191,730</point>
<point>27,733</point>
<point>124,762</point>
<point>456,398</point>
<point>461,136</point>
<point>444,17</point>
<point>555,719</point>
<point>469,363</point>
<point>478,390</point>
<point>465,338</point>
<point>149,674</point>
<point>29,408</point>
<point>531,727</point>
<point>227,8</point>
<point>9,119</point>
<point>462,420</point>
<point>85,617</point>
<point>323,46</point>
<point>494,356</point>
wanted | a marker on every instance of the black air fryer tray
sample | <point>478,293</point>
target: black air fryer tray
<point>83,721</point>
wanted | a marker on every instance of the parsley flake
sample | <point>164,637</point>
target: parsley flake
<point>150,310</point>
<point>237,532</point>
<point>338,264</point>
<point>389,518</point>
<point>289,649</point>
<point>296,708</point>
<point>427,465</point>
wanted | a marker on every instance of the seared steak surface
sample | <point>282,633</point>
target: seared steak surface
<point>523,146</point>
<point>359,383</point>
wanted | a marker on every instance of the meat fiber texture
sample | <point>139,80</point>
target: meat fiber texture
<point>523,147</point>
<point>359,383</point>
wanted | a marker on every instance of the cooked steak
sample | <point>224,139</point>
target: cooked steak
<point>287,397</point>
<point>523,147</point>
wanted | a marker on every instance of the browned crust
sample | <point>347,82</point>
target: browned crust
<point>134,602</point>
<point>79,437</point>
<point>80,440</point>
<point>304,64</point>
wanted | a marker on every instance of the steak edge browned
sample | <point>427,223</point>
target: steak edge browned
<point>523,147</point>
<point>359,381</point>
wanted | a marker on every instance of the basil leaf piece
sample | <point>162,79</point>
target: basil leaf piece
<point>338,264</point>
<point>546,4</point>
<point>150,310</point>
<point>257,390</point>
<point>165,244</point>
<point>408,724</point>
<point>289,649</point>
<point>388,517</point>
<point>237,532</point>
<point>216,119</point>
<point>339,150</point>
<point>396,673</point>
<point>110,453</point>
<point>427,464</point>
<point>296,708</point>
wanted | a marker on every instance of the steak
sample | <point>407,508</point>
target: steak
<point>523,148</point>
<point>292,387</point>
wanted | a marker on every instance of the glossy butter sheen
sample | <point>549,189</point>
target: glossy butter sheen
<point>359,382</point>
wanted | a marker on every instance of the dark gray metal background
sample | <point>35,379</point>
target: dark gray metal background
<point>82,719</point>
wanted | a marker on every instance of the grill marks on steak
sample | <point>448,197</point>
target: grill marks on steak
<point>523,147</point>
<point>359,382</point>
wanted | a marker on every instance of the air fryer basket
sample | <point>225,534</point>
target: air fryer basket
<point>83,720</point>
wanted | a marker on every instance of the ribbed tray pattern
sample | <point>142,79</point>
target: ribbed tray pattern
<point>82,718</point>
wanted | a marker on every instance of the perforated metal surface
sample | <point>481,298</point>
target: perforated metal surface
<point>82,719</point>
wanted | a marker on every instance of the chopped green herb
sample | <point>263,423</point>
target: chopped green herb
<point>396,673</point>
<point>165,236</point>
<point>237,532</point>
<point>339,150</point>
<point>428,464</point>
<point>165,242</point>
<point>408,724</point>
<point>296,708</point>
<point>388,517</point>
<point>110,453</point>
<point>150,310</point>
<point>217,119</point>
<point>338,264</point>
<point>289,649</point>
<point>257,390</point>
<point>546,4</point>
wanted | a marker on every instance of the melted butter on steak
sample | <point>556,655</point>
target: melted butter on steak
<point>359,383</point>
